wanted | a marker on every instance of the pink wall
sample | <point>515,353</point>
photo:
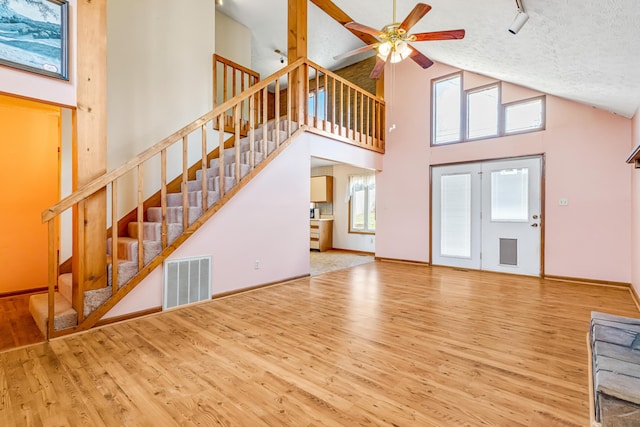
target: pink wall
<point>585,151</point>
<point>635,209</point>
<point>35,86</point>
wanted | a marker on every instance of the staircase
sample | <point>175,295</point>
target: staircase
<point>260,122</point>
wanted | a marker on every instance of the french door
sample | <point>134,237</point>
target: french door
<point>487,215</point>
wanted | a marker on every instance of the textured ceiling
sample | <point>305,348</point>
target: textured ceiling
<point>587,51</point>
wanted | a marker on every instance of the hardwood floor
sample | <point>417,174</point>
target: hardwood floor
<point>17,327</point>
<point>376,344</point>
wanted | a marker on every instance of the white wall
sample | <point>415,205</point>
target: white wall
<point>35,86</point>
<point>233,40</point>
<point>342,239</point>
<point>159,76</point>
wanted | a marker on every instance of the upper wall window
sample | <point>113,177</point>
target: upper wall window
<point>446,117</point>
<point>524,116</point>
<point>320,101</point>
<point>482,112</point>
<point>478,113</point>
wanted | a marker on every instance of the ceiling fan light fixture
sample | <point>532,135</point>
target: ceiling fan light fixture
<point>384,49</point>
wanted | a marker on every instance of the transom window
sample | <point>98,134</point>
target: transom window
<point>478,113</point>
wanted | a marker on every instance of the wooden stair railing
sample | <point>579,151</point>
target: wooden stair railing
<point>357,118</point>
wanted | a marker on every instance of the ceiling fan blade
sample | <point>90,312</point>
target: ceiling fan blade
<point>379,67</point>
<point>362,28</point>
<point>439,35</point>
<point>414,16</point>
<point>419,58</point>
<point>355,51</point>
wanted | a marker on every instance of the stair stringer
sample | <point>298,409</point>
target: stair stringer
<point>125,289</point>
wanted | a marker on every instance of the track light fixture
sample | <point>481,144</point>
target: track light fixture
<point>282,55</point>
<point>521,18</point>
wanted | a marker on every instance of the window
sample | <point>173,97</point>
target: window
<point>523,116</point>
<point>362,204</point>
<point>482,113</point>
<point>446,117</point>
<point>321,104</point>
<point>464,115</point>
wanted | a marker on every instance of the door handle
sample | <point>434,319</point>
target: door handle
<point>535,217</point>
<point>534,225</point>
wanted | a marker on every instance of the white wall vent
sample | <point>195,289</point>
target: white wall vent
<point>186,281</point>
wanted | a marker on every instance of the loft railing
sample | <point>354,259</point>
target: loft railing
<point>348,114</point>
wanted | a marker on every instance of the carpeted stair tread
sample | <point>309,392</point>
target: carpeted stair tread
<point>194,198</point>
<point>128,249</point>
<point>126,271</point>
<point>64,315</point>
<point>174,214</point>
<point>153,231</point>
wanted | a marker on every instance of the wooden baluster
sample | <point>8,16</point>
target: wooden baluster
<point>265,119</point>
<point>304,103</point>
<point>53,275</point>
<point>140,218</point>
<point>78,289</point>
<point>252,124</point>
<point>341,109</point>
<point>289,118</point>
<point>355,114</point>
<point>368,128</point>
<point>244,121</point>
<point>277,114</point>
<point>361,116</point>
<point>224,84</point>
<point>326,102</point>
<point>333,105</point>
<point>348,112</point>
<point>315,99</point>
<point>185,178</point>
<point>221,120</point>
<point>114,237</point>
<point>374,124</point>
<point>215,82</point>
<point>205,190</point>
<point>382,135</point>
<point>163,196</point>
<point>237,143</point>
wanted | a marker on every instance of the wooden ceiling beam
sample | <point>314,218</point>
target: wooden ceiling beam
<point>330,8</point>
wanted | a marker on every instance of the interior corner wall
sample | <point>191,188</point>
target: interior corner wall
<point>584,149</point>
<point>159,78</point>
<point>233,40</point>
<point>37,87</point>
<point>635,208</point>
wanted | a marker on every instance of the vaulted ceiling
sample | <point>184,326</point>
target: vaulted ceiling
<point>587,51</point>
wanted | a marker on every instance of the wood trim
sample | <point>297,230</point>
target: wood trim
<point>129,316</point>
<point>634,295</point>
<point>230,63</point>
<point>585,281</point>
<point>403,261</point>
<point>351,251</point>
<point>24,292</point>
<point>254,288</point>
<point>339,137</point>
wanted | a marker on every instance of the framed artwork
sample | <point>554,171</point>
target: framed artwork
<point>34,36</point>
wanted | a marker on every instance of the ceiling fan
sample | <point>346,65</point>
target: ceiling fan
<point>393,40</point>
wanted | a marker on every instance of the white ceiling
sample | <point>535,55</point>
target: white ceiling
<point>587,51</point>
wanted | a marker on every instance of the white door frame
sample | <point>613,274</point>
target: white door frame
<point>542,202</point>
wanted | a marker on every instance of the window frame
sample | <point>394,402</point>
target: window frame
<point>464,111</point>
<point>543,123</point>
<point>499,111</point>
<point>313,95</point>
<point>366,211</point>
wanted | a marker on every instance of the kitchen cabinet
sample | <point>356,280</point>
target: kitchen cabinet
<point>321,189</point>
<point>321,234</point>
